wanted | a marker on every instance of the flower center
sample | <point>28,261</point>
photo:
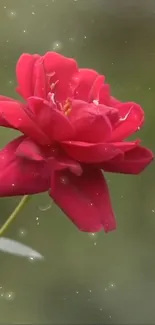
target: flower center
<point>67,107</point>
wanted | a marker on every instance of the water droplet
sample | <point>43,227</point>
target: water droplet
<point>109,316</point>
<point>77,292</point>
<point>12,14</point>
<point>90,290</point>
<point>9,295</point>
<point>64,180</point>
<point>112,285</point>
<point>91,204</point>
<point>33,13</point>
<point>19,119</point>
<point>95,244</point>
<point>22,232</point>
<point>31,258</point>
<point>153,210</point>
<point>57,46</point>
<point>101,309</point>
<point>71,39</point>
<point>96,102</point>
<point>138,128</point>
<point>13,185</point>
<point>2,295</point>
<point>44,207</point>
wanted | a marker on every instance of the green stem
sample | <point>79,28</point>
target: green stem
<point>13,215</point>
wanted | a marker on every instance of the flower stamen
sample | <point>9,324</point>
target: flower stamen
<point>67,107</point>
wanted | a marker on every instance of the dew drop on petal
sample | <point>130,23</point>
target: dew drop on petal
<point>13,185</point>
<point>64,180</point>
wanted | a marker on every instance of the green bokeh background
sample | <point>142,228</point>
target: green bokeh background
<point>85,279</point>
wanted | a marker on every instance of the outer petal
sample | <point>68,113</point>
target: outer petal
<point>104,95</point>
<point>95,89</point>
<point>24,72</point>
<point>14,114</point>
<point>63,72</point>
<point>86,79</point>
<point>131,119</point>
<point>51,121</point>
<point>95,153</point>
<point>84,199</point>
<point>3,122</point>
<point>133,161</point>
<point>20,176</point>
<point>90,122</point>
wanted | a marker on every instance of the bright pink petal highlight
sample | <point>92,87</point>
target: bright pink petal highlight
<point>84,199</point>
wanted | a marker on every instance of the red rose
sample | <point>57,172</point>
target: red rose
<point>72,131</point>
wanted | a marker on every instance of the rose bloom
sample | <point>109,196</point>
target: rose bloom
<point>73,131</point>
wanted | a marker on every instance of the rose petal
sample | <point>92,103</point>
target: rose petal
<point>24,72</point>
<point>95,152</point>
<point>20,176</point>
<point>29,150</point>
<point>95,89</point>
<point>90,122</point>
<point>61,161</point>
<point>133,161</point>
<point>84,199</point>
<point>14,113</point>
<point>3,122</point>
<point>40,80</point>
<point>131,119</point>
<point>104,95</point>
<point>90,152</point>
<point>86,79</point>
<point>63,73</point>
<point>51,121</point>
